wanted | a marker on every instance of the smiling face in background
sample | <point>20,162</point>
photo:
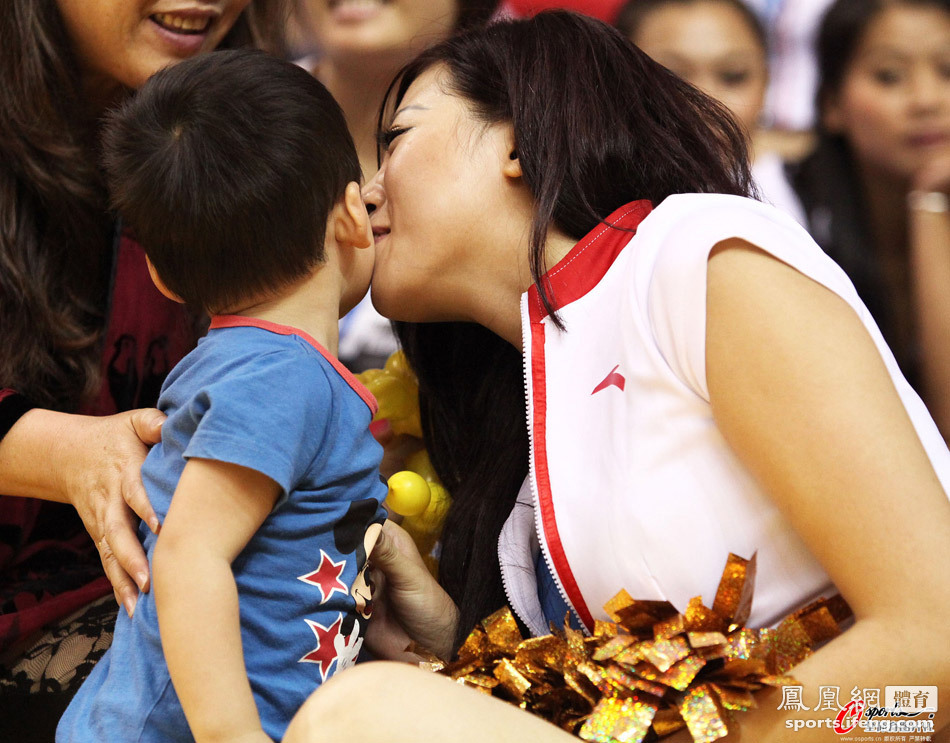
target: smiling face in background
<point>392,31</point>
<point>711,45</point>
<point>121,43</point>
<point>893,105</point>
<point>447,197</point>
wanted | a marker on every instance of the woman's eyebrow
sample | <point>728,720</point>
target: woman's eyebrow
<point>411,107</point>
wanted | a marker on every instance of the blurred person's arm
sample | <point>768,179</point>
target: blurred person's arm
<point>929,254</point>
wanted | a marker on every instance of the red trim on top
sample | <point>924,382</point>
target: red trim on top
<point>586,269</point>
<point>239,321</point>
<point>542,477</point>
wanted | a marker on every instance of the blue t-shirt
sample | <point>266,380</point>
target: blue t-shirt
<point>269,398</point>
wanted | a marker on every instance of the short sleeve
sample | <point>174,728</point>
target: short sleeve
<point>270,414</point>
<point>688,229</point>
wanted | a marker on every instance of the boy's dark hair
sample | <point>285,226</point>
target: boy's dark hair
<point>226,167</point>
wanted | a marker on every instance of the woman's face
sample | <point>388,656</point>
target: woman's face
<point>124,42</point>
<point>894,102</point>
<point>443,197</point>
<point>391,31</point>
<point>710,45</point>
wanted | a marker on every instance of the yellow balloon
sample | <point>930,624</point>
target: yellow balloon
<point>408,493</point>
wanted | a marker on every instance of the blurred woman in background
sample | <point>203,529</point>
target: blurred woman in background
<point>875,190</point>
<point>720,46</point>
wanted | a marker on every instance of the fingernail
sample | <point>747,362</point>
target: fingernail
<point>141,579</point>
<point>129,604</point>
<point>153,524</point>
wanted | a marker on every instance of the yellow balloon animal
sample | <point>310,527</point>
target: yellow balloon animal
<point>423,508</point>
<point>397,392</point>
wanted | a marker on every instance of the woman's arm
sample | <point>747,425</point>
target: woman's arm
<point>929,245</point>
<point>801,394</point>
<point>93,463</point>
<point>216,509</point>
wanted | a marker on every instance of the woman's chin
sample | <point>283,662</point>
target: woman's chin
<point>391,307</point>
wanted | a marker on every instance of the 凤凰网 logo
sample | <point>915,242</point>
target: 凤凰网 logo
<point>901,709</point>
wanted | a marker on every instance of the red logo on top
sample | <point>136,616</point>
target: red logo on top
<point>614,379</point>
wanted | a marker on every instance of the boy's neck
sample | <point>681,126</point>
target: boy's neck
<point>304,306</point>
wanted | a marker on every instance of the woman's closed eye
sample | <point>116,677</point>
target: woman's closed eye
<point>387,137</point>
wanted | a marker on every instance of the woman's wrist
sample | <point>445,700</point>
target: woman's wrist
<point>13,406</point>
<point>31,464</point>
<point>443,641</point>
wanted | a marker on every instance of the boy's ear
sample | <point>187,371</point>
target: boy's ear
<point>351,220</point>
<point>160,285</point>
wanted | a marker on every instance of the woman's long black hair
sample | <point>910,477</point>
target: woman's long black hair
<point>597,124</point>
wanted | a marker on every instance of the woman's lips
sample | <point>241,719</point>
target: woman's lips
<point>183,32</point>
<point>355,11</point>
<point>929,139</point>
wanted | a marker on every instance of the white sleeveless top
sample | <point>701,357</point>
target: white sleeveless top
<point>631,482</point>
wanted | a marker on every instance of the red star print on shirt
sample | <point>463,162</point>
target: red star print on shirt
<point>325,652</point>
<point>327,577</point>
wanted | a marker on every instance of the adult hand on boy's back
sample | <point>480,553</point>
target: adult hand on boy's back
<point>93,463</point>
<point>100,461</point>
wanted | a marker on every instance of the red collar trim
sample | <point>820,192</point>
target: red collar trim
<point>581,269</point>
<point>239,321</point>
<point>573,276</point>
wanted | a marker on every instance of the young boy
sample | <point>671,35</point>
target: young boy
<point>236,173</point>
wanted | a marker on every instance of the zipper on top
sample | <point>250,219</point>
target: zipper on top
<point>532,483</point>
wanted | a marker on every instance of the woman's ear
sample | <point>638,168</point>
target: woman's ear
<point>160,285</point>
<point>512,165</point>
<point>350,219</point>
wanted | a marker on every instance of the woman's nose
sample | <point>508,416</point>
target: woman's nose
<point>930,91</point>
<point>372,192</point>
